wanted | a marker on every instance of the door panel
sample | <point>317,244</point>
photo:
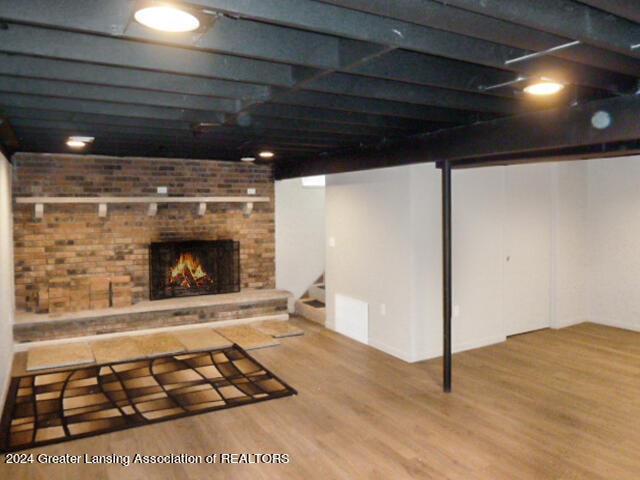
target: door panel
<point>527,248</point>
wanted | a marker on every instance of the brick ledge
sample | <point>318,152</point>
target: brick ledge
<point>247,304</point>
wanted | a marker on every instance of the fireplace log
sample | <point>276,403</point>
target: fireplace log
<point>190,278</point>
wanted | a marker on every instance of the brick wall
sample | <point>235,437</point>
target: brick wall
<point>72,240</point>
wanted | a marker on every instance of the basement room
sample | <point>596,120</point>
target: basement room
<point>320,239</point>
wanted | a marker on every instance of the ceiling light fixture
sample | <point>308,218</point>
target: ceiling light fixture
<point>544,86</point>
<point>167,18</point>
<point>248,159</point>
<point>266,154</point>
<point>79,142</point>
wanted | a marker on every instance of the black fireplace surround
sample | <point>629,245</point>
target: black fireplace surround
<point>195,267</point>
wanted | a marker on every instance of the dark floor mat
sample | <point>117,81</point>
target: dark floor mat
<point>64,405</point>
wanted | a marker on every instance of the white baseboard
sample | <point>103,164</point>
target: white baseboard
<point>567,323</point>
<point>422,356</point>
<point>482,342</point>
<point>394,352</point>
<point>616,323</point>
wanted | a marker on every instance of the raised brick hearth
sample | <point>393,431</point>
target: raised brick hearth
<point>175,312</point>
<point>73,241</point>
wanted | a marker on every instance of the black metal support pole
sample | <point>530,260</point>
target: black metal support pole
<point>446,275</point>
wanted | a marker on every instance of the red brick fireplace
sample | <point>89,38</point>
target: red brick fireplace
<point>74,241</point>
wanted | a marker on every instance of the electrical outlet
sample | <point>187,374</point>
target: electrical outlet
<point>383,309</point>
<point>456,310</point>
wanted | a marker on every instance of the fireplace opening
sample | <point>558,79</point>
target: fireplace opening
<point>197,267</point>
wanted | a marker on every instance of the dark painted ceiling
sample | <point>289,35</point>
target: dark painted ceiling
<point>313,81</point>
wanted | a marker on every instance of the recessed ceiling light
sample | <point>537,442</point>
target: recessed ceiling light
<point>79,142</point>
<point>544,87</point>
<point>266,154</point>
<point>167,18</point>
<point>248,159</point>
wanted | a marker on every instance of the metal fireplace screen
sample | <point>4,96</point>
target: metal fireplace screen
<point>188,268</point>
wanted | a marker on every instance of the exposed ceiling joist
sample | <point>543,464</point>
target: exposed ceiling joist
<point>622,8</point>
<point>80,47</point>
<point>309,77</point>
<point>62,70</point>
<point>444,15</point>
<point>563,17</point>
<point>127,95</point>
<point>334,20</point>
<point>354,85</point>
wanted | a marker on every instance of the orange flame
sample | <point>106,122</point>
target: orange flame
<point>187,262</point>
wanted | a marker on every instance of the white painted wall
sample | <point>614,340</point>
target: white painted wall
<point>614,241</point>
<point>300,235</point>
<point>387,229</point>
<point>368,221</point>
<point>570,235</point>
<point>6,277</point>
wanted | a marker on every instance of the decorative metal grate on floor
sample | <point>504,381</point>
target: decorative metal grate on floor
<point>53,407</point>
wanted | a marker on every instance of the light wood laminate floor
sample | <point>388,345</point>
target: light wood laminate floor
<point>553,404</point>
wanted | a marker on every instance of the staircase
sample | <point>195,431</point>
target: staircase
<point>312,303</point>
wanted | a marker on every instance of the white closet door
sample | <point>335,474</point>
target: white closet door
<point>527,248</point>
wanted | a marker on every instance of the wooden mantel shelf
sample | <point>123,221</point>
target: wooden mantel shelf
<point>153,202</point>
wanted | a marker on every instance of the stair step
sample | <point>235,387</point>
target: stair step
<point>315,314</point>
<point>318,292</point>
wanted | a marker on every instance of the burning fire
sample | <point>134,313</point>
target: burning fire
<point>188,272</point>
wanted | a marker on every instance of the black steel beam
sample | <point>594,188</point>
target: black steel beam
<point>539,133</point>
<point>447,275</point>
<point>42,68</point>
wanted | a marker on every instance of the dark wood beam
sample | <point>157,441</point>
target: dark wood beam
<point>539,134</point>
